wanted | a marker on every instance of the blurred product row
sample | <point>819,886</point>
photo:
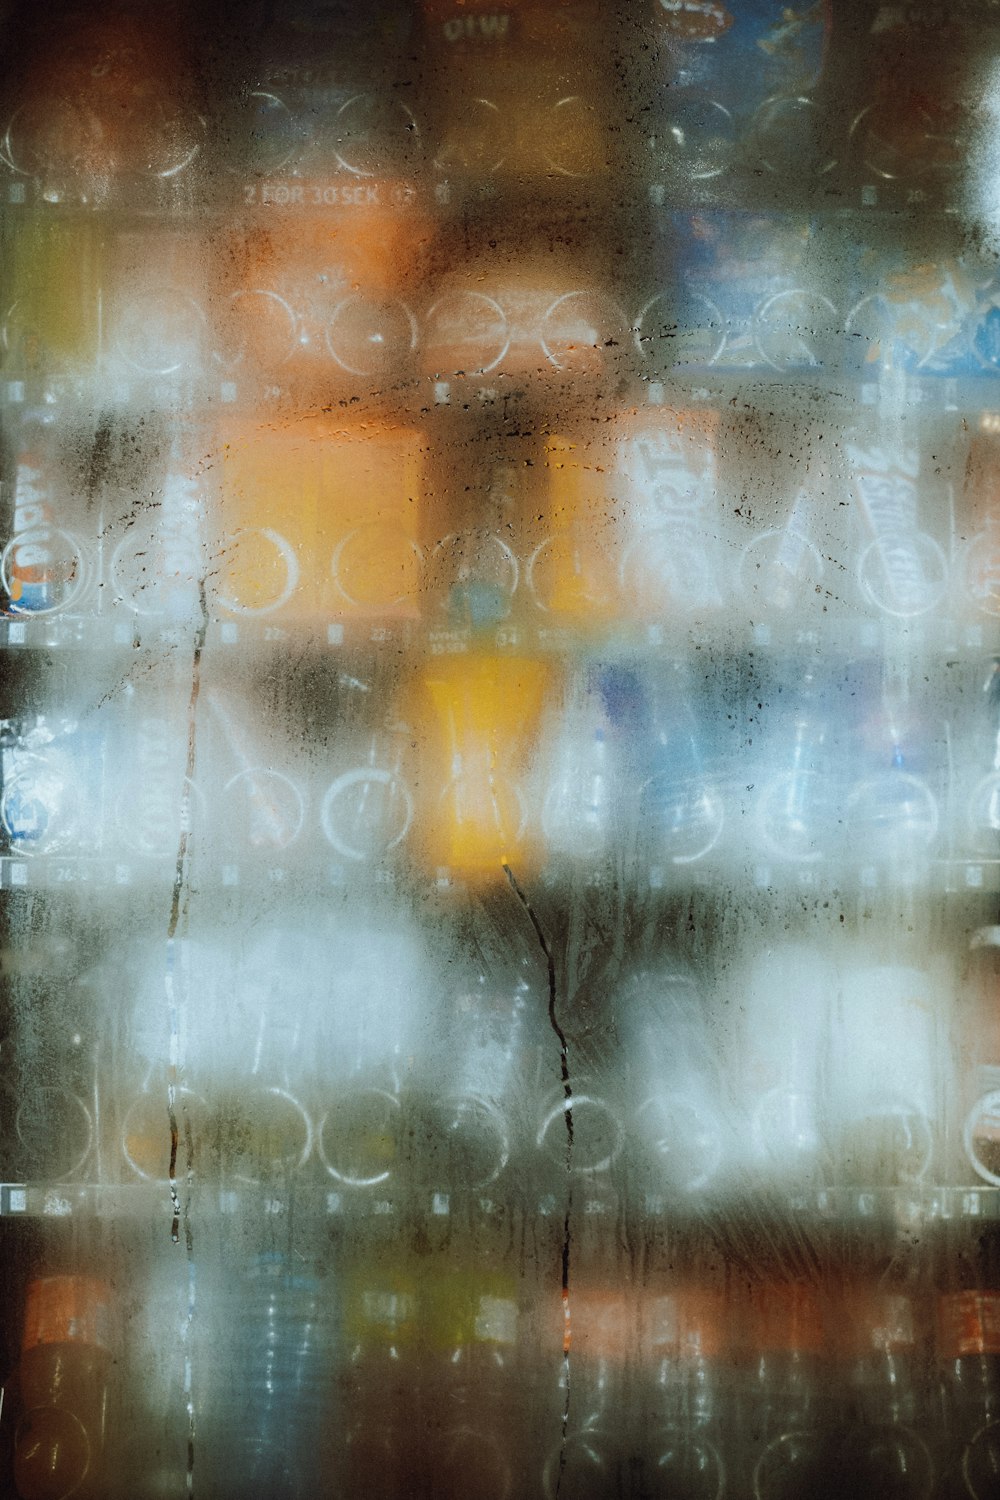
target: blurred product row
<point>370,297</point>
<point>159,109</point>
<point>459,766</point>
<point>357,1053</point>
<point>679,519</point>
<point>292,1374</point>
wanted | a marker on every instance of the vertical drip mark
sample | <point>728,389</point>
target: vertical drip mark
<point>174,1023</point>
<point>188,1172</point>
<point>176,990</point>
<point>178,892</point>
<point>568,1114</point>
<point>180,865</point>
<point>188,1381</point>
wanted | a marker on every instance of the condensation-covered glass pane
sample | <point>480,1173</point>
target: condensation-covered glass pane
<point>499,750</point>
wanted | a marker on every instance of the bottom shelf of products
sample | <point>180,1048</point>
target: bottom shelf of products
<point>507,1356</point>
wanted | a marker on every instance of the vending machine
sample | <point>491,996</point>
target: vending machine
<point>499,750</point>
